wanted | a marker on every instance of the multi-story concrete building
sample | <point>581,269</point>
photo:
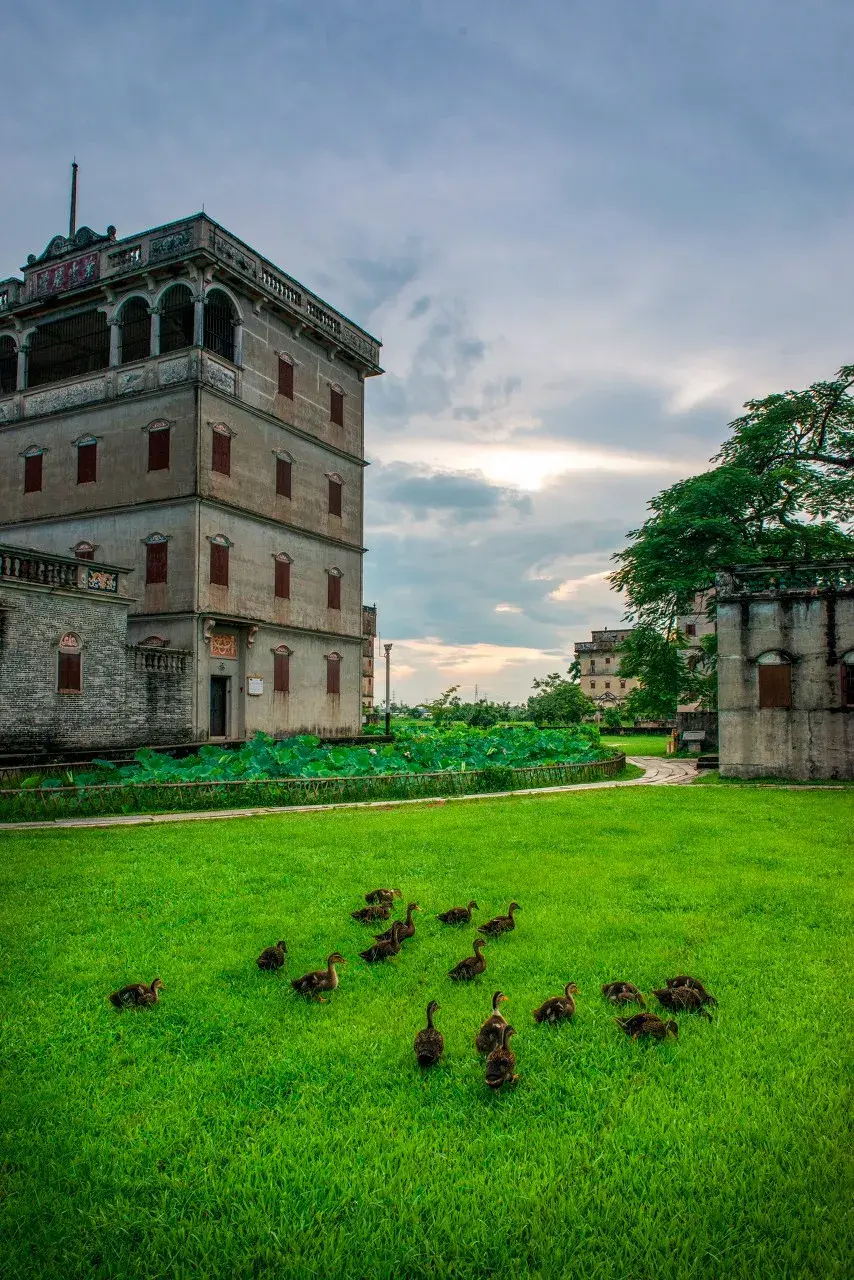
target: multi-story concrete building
<point>174,403</point>
<point>599,663</point>
<point>369,643</point>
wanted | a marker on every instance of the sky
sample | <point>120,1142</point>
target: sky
<point>585,233</point>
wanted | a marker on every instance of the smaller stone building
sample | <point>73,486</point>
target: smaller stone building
<point>786,670</point>
<point>68,678</point>
<point>600,668</point>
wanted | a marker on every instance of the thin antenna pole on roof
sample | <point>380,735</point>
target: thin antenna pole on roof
<point>72,216</point>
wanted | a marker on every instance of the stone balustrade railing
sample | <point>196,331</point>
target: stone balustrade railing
<point>780,579</point>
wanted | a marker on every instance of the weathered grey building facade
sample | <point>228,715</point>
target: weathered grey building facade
<point>786,671</point>
<point>174,403</point>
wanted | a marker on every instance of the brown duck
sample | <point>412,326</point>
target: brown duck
<point>383,950</point>
<point>557,1008</point>
<point>500,924</point>
<point>407,927</point>
<point>429,1043</point>
<point>367,915</point>
<point>501,1063</point>
<point>623,993</point>
<point>385,897</point>
<point>472,966</point>
<point>489,1036</point>
<point>137,995</point>
<point>687,999</point>
<point>273,957</point>
<point>683,980</point>
<point>313,984</point>
<point>648,1024</point>
<point>458,915</point>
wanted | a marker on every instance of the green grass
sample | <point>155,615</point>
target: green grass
<point>711,778</point>
<point>637,744</point>
<point>235,1131</point>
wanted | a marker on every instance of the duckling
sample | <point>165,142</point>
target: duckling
<point>623,993</point>
<point>273,957</point>
<point>501,1063</point>
<point>501,924</point>
<point>472,966</point>
<point>558,1007</point>
<point>379,911</point>
<point>312,984</point>
<point>458,915</point>
<point>429,1043</point>
<point>137,995</point>
<point>648,1024</point>
<point>683,980</point>
<point>407,928</point>
<point>382,950</point>
<point>385,897</point>
<point>687,998</point>
<point>491,1031</point>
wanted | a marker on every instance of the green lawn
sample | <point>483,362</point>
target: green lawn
<point>236,1131</point>
<point>637,744</point>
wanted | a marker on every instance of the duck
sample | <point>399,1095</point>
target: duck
<point>688,999</point>
<point>501,1063</point>
<point>407,927</point>
<point>385,897</point>
<point>273,957</point>
<point>489,1036</point>
<point>312,984</point>
<point>383,950</point>
<point>367,915</point>
<point>683,980</point>
<point>472,966</point>
<point>648,1024</point>
<point>458,915</point>
<point>623,993</point>
<point>556,1008</point>
<point>137,995</point>
<point>429,1042</point>
<point>501,924</point>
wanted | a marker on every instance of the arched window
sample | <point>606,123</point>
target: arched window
<point>282,583</point>
<point>284,469</point>
<point>67,348</point>
<point>8,365</point>
<point>775,679</point>
<point>220,547</point>
<point>33,459</point>
<point>848,678</point>
<point>333,673</point>
<point>219,324</point>
<point>69,664</point>
<point>282,669</point>
<point>335,493</point>
<point>333,588</point>
<point>85,550</point>
<point>156,558</point>
<point>177,319</point>
<point>136,330</point>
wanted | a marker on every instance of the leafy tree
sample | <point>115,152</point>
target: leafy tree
<point>446,706</point>
<point>612,718</point>
<point>657,660</point>
<point>558,701</point>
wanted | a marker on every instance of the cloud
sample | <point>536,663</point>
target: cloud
<point>508,608</point>
<point>461,496</point>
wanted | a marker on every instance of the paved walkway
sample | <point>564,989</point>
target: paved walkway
<point>658,771</point>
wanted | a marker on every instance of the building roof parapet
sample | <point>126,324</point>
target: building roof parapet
<point>26,565</point>
<point>810,578</point>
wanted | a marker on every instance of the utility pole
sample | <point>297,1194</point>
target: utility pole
<point>387,648</point>
<point>475,693</point>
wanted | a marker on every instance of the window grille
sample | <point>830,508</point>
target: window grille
<point>177,319</point>
<point>136,330</point>
<point>283,477</point>
<point>335,492</point>
<point>281,672</point>
<point>66,348</point>
<point>283,579</point>
<point>158,449</point>
<point>219,325</point>
<point>8,365</point>
<point>333,591</point>
<point>286,378</point>
<point>333,672</point>
<point>219,565</point>
<point>33,473</point>
<point>156,562</point>
<point>87,462</point>
<point>221,452</point>
<point>336,407</point>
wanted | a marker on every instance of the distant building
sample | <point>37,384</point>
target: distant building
<point>600,668</point>
<point>786,670</point>
<point>369,643</point>
<point>695,626</point>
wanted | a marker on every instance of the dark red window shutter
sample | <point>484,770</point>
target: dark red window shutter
<point>333,674</point>
<point>775,685</point>
<point>70,676</point>
<point>156,562</point>
<point>333,591</point>
<point>87,463</point>
<point>335,491</point>
<point>286,378</point>
<point>33,473</point>
<point>221,453</point>
<point>336,407</point>
<point>848,684</point>
<point>283,477</point>
<point>158,450</point>
<point>219,565</point>
<point>283,580</point>
<point>281,673</point>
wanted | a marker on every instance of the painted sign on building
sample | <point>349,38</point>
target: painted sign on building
<point>68,275</point>
<point>224,646</point>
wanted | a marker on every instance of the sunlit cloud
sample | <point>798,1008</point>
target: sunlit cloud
<point>507,608</point>
<point>571,586</point>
